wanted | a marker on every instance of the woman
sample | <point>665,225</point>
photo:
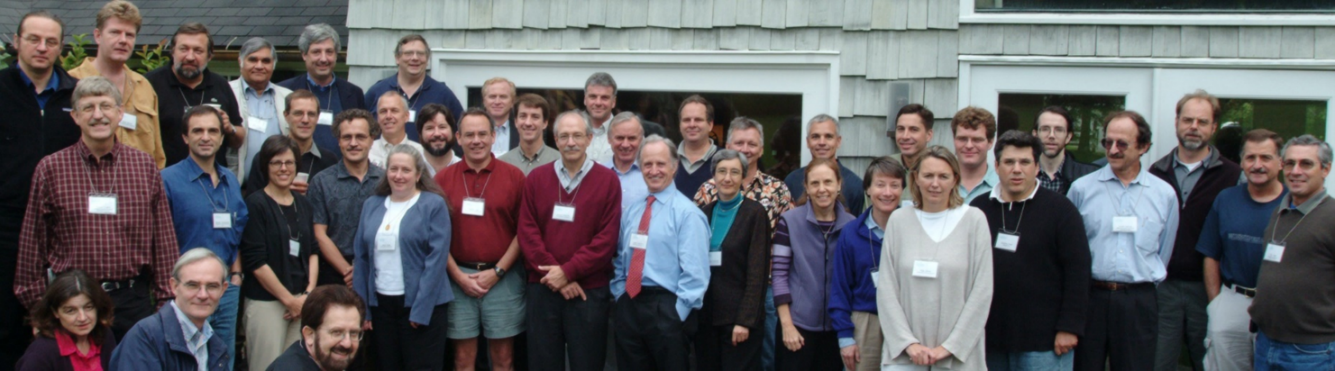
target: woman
<point>856,263</point>
<point>72,321</point>
<point>731,321</point>
<point>935,283</point>
<point>401,248</point>
<point>279,255</point>
<point>804,241</point>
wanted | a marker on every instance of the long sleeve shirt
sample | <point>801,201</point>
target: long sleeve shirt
<point>582,247</point>
<point>141,101</point>
<point>857,258</point>
<point>1127,257</point>
<point>677,256</point>
<point>195,201</point>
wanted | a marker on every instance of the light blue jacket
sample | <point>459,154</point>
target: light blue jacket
<point>424,238</point>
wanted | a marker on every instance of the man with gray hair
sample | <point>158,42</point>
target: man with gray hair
<point>262,103</point>
<point>187,82</point>
<point>319,44</point>
<point>99,206</point>
<point>600,98</point>
<point>178,337</point>
<point>624,135</point>
<point>413,56</point>
<point>1293,312</point>
<point>823,141</point>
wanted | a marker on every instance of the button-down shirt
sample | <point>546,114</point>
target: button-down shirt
<point>677,256</point>
<point>516,157</point>
<point>46,93</point>
<point>194,200</point>
<point>568,182</point>
<point>990,180</point>
<point>600,150</point>
<point>59,233</point>
<point>336,201</point>
<point>380,152</point>
<point>196,340</point>
<point>138,100</point>
<point>1052,183</point>
<point>261,105</point>
<point>633,188</point>
<point>769,191</point>
<point>1127,257</point>
<point>502,143</point>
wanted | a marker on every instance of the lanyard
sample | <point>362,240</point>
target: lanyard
<point>871,246</point>
<point>291,233</point>
<point>1117,201</point>
<point>1017,222</point>
<point>1275,227</point>
<point>226,201</point>
<point>187,100</point>
<point>328,97</point>
<point>469,194</point>
<point>88,170</point>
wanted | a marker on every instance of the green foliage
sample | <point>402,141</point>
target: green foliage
<point>151,59</point>
<point>77,53</point>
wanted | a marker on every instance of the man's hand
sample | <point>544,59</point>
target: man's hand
<point>572,290</point>
<point>851,357</point>
<point>740,334</point>
<point>1065,342</point>
<point>236,280</point>
<point>294,306</point>
<point>366,326</point>
<point>485,279</point>
<point>555,278</point>
<point>470,286</point>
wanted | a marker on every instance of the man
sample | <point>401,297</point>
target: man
<point>600,98</point>
<point>301,110</point>
<point>319,45</point>
<point>331,329</point>
<point>1233,241</point>
<point>746,136</point>
<point>435,125</point>
<point>1059,168</point>
<point>1197,172</point>
<point>913,133</point>
<point>1041,261</point>
<point>484,197</point>
<point>1130,220</point>
<point>178,337</point>
<point>99,206</point>
<point>531,121</point>
<point>186,83</point>
<point>36,91</point>
<point>498,98</point>
<point>662,262</point>
<point>208,210</point>
<point>392,114</point>
<point>337,195</point>
<point>974,129</point>
<point>1293,313</point>
<point>695,150</point>
<point>625,135</point>
<point>262,104</point>
<point>823,141</point>
<point>413,56</point>
<point>568,241</point>
<point>118,23</point>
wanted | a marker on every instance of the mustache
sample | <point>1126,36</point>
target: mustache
<point>569,148</point>
<point>1257,171</point>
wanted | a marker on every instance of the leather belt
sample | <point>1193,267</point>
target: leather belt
<point>1250,293</point>
<point>1118,286</point>
<point>477,266</point>
<point>110,286</point>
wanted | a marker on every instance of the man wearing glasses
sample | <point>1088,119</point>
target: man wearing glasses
<point>331,329</point>
<point>1058,168</point>
<point>413,56</point>
<point>178,337</point>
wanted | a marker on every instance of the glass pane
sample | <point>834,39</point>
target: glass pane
<point>1288,118</point>
<point>1019,111</point>
<point>1181,6</point>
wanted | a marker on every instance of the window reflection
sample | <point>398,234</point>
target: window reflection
<point>1017,111</point>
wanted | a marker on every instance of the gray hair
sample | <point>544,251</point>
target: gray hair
<point>654,138</point>
<point>727,154</point>
<point>96,86</point>
<point>625,116</point>
<point>395,93</point>
<point>253,45</point>
<point>407,149</point>
<point>1323,148</point>
<point>194,255</point>
<point>601,79</point>
<point>823,118</point>
<point>743,123</point>
<point>317,33</point>
<point>584,116</point>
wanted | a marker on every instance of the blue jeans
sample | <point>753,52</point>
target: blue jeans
<point>1277,355</point>
<point>223,320</point>
<point>771,323</point>
<point>1030,361</point>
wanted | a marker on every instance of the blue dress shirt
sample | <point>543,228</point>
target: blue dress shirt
<point>633,188</point>
<point>194,199</point>
<point>990,180</point>
<point>1124,257</point>
<point>47,93</point>
<point>261,105</point>
<point>677,257</point>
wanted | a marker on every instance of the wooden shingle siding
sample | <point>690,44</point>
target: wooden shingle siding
<point>1048,39</point>
<point>1167,42</point>
<point>1223,42</point>
<point>1297,42</point>
<point>1325,43</point>
<point>1259,42</point>
<point>1195,42</point>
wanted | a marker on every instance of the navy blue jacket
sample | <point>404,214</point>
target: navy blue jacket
<point>851,287</point>
<point>157,343</point>
<point>424,247</point>
<point>431,91</point>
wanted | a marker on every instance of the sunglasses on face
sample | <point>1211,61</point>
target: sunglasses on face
<point>1109,143</point>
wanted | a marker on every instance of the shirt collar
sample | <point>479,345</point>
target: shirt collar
<point>87,154</point>
<point>192,168</point>
<point>1308,205</point>
<point>394,83</point>
<point>312,82</point>
<point>996,194</point>
<point>1106,173</point>
<point>268,88</point>
<point>69,349</point>
<point>51,83</point>
<point>491,166</point>
<point>663,195</point>
<point>188,328</point>
<point>871,224</point>
<point>681,151</point>
<point>372,171</point>
<point>561,168</point>
<point>634,167</point>
<point>315,150</point>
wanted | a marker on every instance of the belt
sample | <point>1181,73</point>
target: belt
<point>477,266</point>
<point>1250,293</point>
<point>1118,286</point>
<point>117,285</point>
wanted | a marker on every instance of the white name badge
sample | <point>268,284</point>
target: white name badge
<point>302,178</point>
<point>715,258</point>
<point>215,106</point>
<point>412,115</point>
<point>222,220</point>
<point>129,121</point>
<point>923,268</point>
<point>102,204</point>
<point>474,206</point>
<point>1274,252</point>
<point>874,272</point>
<point>1125,224</point>
<point>326,118</point>
<point>1007,241</point>
<point>385,241</point>
<point>639,241</point>
<point>257,124</point>
<point>294,248</point>
<point>563,213</point>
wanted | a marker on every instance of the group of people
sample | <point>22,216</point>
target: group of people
<point>363,230</point>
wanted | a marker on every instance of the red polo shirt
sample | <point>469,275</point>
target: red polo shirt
<point>482,239</point>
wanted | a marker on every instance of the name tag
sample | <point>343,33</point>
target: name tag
<point>874,272</point>
<point>563,213</point>
<point>129,121</point>
<point>715,258</point>
<point>385,241</point>
<point>1125,224</point>
<point>302,178</point>
<point>294,248</point>
<point>474,206</point>
<point>257,124</point>
<point>412,115</point>
<point>1007,241</point>
<point>102,204</point>
<point>925,269</point>
<point>1274,252</point>
<point>639,241</point>
<point>326,118</point>
<point>222,220</point>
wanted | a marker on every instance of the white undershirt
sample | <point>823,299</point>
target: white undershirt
<point>389,262</point>
<point>938,225</point>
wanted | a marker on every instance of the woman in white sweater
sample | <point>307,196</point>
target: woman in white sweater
<point>934,288</point>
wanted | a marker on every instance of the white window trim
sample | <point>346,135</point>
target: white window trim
<point>969,16</point>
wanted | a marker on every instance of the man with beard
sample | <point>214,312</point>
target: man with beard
<point>301,110</point>
<point>1058,169</point>
<point>319,45</point>
<point>1197,172</point>
<point>331,327</point>
<point>435,125</point>
<point>531,121</point>
<point>413,56</point>
<point>186,83</point>
<point>337,195</point>
<point>260,102</point>
<point>913,133</point>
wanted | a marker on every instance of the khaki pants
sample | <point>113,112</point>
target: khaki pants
<point>867,332</point>
<point>267,333</point>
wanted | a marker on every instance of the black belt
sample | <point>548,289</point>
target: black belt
<point>110,286</point>
<point>1118,286</point>
<point>1250,293</point>
<point>477,266</point>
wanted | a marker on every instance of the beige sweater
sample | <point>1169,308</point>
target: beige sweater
<point>949,310</point>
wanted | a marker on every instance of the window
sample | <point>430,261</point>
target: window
<point>1020,111</point>
<point>1288,118</point>
<point>1157,6</point>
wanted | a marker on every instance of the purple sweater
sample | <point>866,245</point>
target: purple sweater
<point>803,249</point>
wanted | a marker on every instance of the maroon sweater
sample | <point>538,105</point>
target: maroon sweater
<point>582,248</point>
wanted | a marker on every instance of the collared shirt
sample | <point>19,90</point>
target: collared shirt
<point>516,157</point>
<point>80,361</point>
<point>691,167</point>
<point>196,340</point>
<point>46,93</point>
<point>195,201</point>
<point>677,256</point>
<point>1127,257</point>
<point>1187,176</point>
<point>327,94</point>
<point>1052,183</point>
<point>60,233</point>
<point>600,150</point>
<point>380,152</point>
<point>875,229</point>
<point>430,91</point>
<point>140,101</point>
<point>633,188</point>
<point>482,238</point>
<point>769,191</point>
<point>260,105</point>
<point>568,182</point>
<point>336,201</point>
<point>502,143</point>
<point>175,97</point>
<point>984,187</point>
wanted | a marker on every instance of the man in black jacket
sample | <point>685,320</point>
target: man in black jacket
<point>331,326</point>
<point>1058,168</point>
<point>1198,173</point>
<point>319,45</point>
<point>35,107</point>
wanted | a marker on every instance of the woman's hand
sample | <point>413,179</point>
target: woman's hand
<point>939,353</point>
<point>739,334</point>
<point>851,356</point>
<point>920,354</point>
<point>792,339</point>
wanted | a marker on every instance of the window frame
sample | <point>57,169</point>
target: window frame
<point>970,15</point>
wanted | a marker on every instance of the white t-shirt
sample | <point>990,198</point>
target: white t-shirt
<point>938,225</point>
<point>379,154</point>
<point>388,258</point>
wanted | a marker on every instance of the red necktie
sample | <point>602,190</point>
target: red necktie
<point>637,256</point>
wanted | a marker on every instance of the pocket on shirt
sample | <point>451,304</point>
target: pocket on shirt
<point>1147,236</point>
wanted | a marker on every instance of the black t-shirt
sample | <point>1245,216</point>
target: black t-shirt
<point>174,98</point>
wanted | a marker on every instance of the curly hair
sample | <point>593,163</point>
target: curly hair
<point>972,117</point>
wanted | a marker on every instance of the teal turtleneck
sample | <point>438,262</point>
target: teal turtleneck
<point>724,213</point>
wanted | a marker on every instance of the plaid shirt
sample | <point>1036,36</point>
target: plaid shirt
<point>1053,183</point>
<point>769,191</point>
<point>60,233</point>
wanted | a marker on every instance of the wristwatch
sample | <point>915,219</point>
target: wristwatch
<point>499,271</point>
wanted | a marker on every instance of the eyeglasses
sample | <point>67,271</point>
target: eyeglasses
<point>34,40</point>
<point>1052,130</point>
<point>413,53</point>
<point>1108,144</point>
<point>213,288</point>
<point>90,108</point>
<point>282,164</point>
<point>575,136</point>
<point>340,334</point>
